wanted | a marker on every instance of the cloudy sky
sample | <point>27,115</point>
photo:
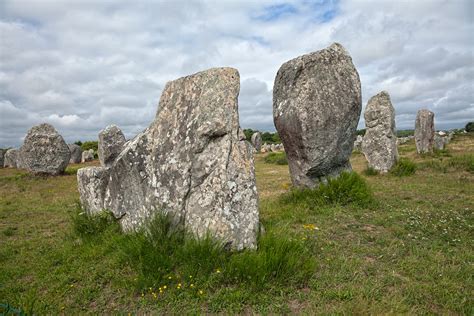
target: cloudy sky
<point>84,64</point>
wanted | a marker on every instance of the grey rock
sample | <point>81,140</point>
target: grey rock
<point>265,148</point>
<point>358,143</point>
<point>76,153</point>
<point>92,184</point>
<point>379,144</point>
<point>44,151</point>
<point>11,158</point>
<point>192,162</point>
<point>2,156</point>
<point>440,142</point>
<point>424,131</point>
<point>316,107</point>
<point>257,141</point>
<point>87,155</point>
<point>111,141</point>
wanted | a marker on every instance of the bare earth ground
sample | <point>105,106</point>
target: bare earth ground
<point>414,254</point>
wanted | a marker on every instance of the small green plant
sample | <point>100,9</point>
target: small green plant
<point>348,188</point>
<point>278,158</point>
<point>87,225</point>
<point>404,167</point>
<point>370,171</point>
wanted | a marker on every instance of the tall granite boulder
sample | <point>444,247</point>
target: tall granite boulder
<point>316,107</point>
<point>2,156</point>
<point>87,155</point>
<point>257,141</point>
<point>192,162</point>
<point>76,153</point>
<point>111,141</point>
<point>44,151</point>
<point>379,144</point>
<point>424,131</point>
<point>11,158</point>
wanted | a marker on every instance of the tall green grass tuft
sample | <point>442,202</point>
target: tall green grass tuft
<point>276,158</point>
<point>404,167</point>
<point>348,188</point>
<point>165,255</point>
<point>88,226</point>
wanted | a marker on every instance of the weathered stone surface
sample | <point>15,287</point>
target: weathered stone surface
<point>358,143</point>
<point>92,183</point>
<point>192,162</point>
<point>76,153</point>
<point>111,141</point>
<point>440,142</point>
<point>316,107</point>
<point>265,148</point>
<point>44,151</point>
<point>87,155</point>
<point>257,141</point>
<point>424,131</point>
<point>2,156</point>
<point>379,144</point>
<point>11,158</point>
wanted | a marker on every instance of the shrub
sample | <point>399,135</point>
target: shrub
<point>404,167</point>
<point>369,171</point>
<point>348,188</point>
<point>276,158</point>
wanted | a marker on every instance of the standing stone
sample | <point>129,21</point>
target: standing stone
<point>358,143</point>
<point>76,153</point>
<point>2,156</point>
<point>440,142</point>
<point>379,144</point>
<point>11,158</point>
<point>424,131</point>
<point>92,183</point>
<point>257,141</point>
<point>316,107</point>
<point>44,151</point>
<point>192,162</point>
<point>87,155</point>
<point>111,141</point>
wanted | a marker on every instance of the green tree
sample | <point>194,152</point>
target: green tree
<point>469,127</point>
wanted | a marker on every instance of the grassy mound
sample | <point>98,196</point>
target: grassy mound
<point>348,188</point>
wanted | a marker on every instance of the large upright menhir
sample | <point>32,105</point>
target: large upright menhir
<point>316,107</point>
<point>424,131</point>
<point>379,144</point>
<point>192,162</point>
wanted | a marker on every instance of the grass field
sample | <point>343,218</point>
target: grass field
<point>409,250</point>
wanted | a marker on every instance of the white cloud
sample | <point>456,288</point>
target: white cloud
<point>82,65</point>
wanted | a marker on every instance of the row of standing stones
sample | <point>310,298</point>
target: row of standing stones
<point>194,163</point>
